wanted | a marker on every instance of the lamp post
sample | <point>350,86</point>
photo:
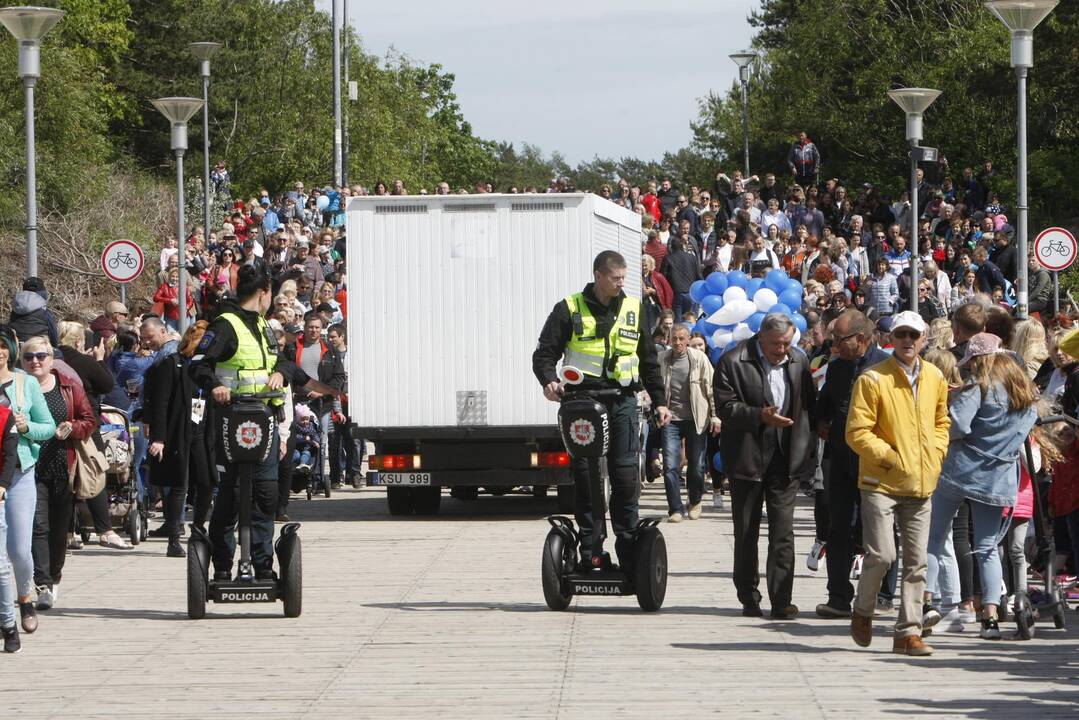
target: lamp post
<point>204,51</point>
<point>743,61</point>
<point>337,144</point>
<point>1021,17</point>
<point>29,25</point>
<point>348,84</point>
<point>178,110</point>
<point>914,101</point>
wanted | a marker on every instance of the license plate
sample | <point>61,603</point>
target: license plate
<point>405,478</point>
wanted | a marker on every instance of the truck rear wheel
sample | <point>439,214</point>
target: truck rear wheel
<point>399,500</point>
<point>427,500</point>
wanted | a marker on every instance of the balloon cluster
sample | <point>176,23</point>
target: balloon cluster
<point>734,305</point>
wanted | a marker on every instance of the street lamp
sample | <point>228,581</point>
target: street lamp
<point>29,25</point>
<point>743,61</point>
<point>178,110</point>
<point>914,101</point>
<point>204,51</point>
<point>1021,17</point>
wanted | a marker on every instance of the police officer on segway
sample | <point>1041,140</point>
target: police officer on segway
<point>239,355</point>
<point>599,331</point>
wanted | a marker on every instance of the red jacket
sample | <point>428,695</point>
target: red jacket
<point>166,294</point>
<point>664,293</point>
<point>652,205</point>
<point>79,412</point>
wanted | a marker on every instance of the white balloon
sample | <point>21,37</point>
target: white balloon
<point>740,310</point>
<point>765,299</point>
<point>797,337</point>
<point>721,316</point>
<point>733,294</point>
<point>742,332</point>
<point>722,337</point>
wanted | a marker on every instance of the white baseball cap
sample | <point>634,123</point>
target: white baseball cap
<point>909,319</point>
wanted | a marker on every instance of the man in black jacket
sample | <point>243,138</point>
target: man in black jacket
<point>764,395</point>
<point>1004,257</point>
<point>681,268</point>
<point>853,340</point>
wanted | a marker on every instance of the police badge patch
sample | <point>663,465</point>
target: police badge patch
<point>207,340</point>
<point>631,318</point>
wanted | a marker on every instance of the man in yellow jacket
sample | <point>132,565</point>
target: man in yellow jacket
<point>898,426</point>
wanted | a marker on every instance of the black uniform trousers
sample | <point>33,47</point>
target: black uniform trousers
<point>264,507</point>
<point>622,456</point>
<point>843,504</point>
<point>779,491</point>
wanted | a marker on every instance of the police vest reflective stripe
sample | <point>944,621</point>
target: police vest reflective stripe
<point>613,356</point>
<point>250,367</point>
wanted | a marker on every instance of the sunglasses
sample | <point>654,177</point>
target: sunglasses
<point>39,356</point>
<point>906,334</point>
<point>847,337</point>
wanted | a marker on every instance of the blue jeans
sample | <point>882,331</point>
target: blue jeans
<point>989,529</point>
<point>7,581</point>
<point>301,457</point>
<point>671,436</point>
<point>683,303</point>
<point>20,504</point>
<point>141,446</point>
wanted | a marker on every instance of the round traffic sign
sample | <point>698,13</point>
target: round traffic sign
<point>122,261</point>
<point>1055,248</point>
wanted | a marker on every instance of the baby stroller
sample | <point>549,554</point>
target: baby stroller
<point>313,478</point>
<point>126,513</point>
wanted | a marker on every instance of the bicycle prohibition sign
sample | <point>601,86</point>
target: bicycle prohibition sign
<point>122,261</point>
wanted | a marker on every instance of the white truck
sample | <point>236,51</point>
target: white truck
<point>448,294</point>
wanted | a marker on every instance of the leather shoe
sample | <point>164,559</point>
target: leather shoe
<point>752,610</point>
<point>912,645</point>
<point>861,628</point>
<point>825,610</point>
<point>175,549</point>
<point>784,613</point>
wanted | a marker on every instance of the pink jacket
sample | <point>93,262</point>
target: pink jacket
<point>1024,500</point>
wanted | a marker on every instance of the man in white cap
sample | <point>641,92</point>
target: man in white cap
<point>898,426</point>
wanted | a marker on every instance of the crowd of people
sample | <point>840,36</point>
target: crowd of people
<point>905,426</point>
<point>61,379</point>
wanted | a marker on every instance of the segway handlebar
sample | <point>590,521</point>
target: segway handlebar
<point>1050,419</point>
<point>264,395</point>
<point>593,393</point>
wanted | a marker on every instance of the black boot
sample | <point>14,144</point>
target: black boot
<point>175,548</point>
<point>11,639</point>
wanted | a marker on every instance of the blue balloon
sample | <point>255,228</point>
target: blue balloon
<point>730,346</point>
<point>700,327</point>
<point>792,284</point>
<point>737,278</point>
<point>753,286</point>
<point>711,303</point>
<point>698,291</point>
<point>709,328</point>
<point>710,342</point>
<point>780,308</point>
<point>717,284</point>
<point>754,321</point>
<point>715,354</point>
<point>776,280</point>
<point>322,203</point>
<point>717,462</point>
<point>799,322</point>
<point>791,298</point>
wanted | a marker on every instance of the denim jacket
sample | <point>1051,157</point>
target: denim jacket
<point>985,441</point>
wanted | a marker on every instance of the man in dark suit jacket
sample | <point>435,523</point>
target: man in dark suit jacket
<point>764,395</point>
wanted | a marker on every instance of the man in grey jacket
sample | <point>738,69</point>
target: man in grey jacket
<point>687,380</point>
<point>764,394</point>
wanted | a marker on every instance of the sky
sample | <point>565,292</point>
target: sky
<point>587,78</point>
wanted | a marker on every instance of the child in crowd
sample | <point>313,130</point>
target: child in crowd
<point>306,433</point>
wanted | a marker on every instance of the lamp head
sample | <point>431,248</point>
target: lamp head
<point>204,51</point>
<point>914,102</point>
<point>1021,17</point>
<point>178,110</point>
<point>29,25</point>
<point>743,60</point>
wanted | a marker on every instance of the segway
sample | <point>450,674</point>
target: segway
<point>247,427</point>
<point>585,427</point>
<point>1055,597</point>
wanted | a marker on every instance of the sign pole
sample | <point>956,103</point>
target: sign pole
<point>123,294</point>
<point>1056,293</point>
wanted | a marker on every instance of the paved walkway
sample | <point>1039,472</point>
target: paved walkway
<point>445,618</point>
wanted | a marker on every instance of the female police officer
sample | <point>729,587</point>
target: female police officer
<point>599,331</point>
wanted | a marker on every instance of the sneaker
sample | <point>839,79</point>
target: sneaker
<point>752,610</point>
<point>175,549</point>
<point>826,610</point>
<point>930,616</point>
<point>74,543</point>
<point>990,629</point>
<point>911,645</point>
<point>967,616</point>
<point>952,621</point>
<point>717,500</point>
<point>861,628</point>
<point>675,517</point>
<point>856,567</point>
<point>28,616</point>
<point>46,596</point>
<point>11,640</point>
<point>884,605</point>
<point>695,511</point>
<point>816,553</point>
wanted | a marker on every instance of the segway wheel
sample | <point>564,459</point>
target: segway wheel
<point>399,500</point>
<point>427,500</point>
<point>198,578</point>
<point>133,527</point>
<point>651,570</point>
<point>552,567</point>
<point>292,573</point>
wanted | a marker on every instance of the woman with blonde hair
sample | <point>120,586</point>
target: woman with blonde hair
<point>940,336</point>
<point>944,361</point>
<point>991,416</point>
<point>1028,342</point>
